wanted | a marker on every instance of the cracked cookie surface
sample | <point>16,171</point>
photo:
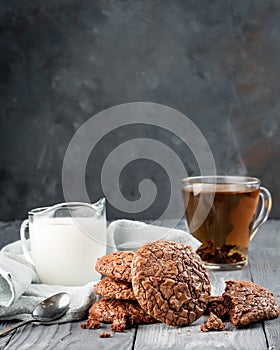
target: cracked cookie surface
<point>170,282</point>
<point>110,288</point>
<point>116,265</point>
<point>248,302</point>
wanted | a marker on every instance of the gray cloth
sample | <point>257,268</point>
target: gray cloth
<point>21,290</point>
<point>130,235</point>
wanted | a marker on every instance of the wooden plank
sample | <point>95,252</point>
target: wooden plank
<point>265,257</point>
<point>161,336</point>
<point>268,235</point>
<point>264,266</point>
<point>272,332</point>
<point>68,336</point>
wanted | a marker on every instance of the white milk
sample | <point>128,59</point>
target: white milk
<point>62,252</point>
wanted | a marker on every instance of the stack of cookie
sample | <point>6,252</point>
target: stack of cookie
<point>163,281</point>
<point>118,305</point>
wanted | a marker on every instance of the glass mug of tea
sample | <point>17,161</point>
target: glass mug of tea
<point>224,213</point>
<point>65,241</point>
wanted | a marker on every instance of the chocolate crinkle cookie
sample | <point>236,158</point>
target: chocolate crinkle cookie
<point>170,282</point>
<point>116,265</point>
<point>110,288</point>
<point>121,313</point>
<point>214,323</point>
<point>248,302</point>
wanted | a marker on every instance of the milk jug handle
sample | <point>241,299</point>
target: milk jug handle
<point>266,204</point>
<point>23,228</point>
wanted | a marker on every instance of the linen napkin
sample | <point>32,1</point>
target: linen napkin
<point>20,287</point>
<point>130,235</point>
<point>21,290</point>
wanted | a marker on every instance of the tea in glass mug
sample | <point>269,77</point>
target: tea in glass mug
<point>221,212</point>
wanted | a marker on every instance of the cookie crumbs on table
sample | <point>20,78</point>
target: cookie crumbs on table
<point>213,323</point>
<point>105,335</point>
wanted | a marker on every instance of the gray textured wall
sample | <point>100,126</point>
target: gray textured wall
<point>61,62</point>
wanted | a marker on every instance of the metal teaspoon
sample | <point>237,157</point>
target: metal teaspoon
<point>47,310</point>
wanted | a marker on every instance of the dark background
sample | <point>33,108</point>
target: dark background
<point>61,62</point>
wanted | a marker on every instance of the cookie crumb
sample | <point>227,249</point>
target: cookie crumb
<point>83,326</point>
<point>105,335</point>
<point>214,323</point>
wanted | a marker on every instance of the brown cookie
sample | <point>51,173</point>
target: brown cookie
<point>118,312</point>
<point>170,282</point>
<point>110,288</point>
<point>116,265</point>
<point>248,302</point>
<point>214,323</point>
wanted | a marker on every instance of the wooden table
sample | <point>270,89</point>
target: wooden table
<point>264,269</point>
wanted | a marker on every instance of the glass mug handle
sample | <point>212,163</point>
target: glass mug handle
<point>23,228</point>
<point>266,204</point>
